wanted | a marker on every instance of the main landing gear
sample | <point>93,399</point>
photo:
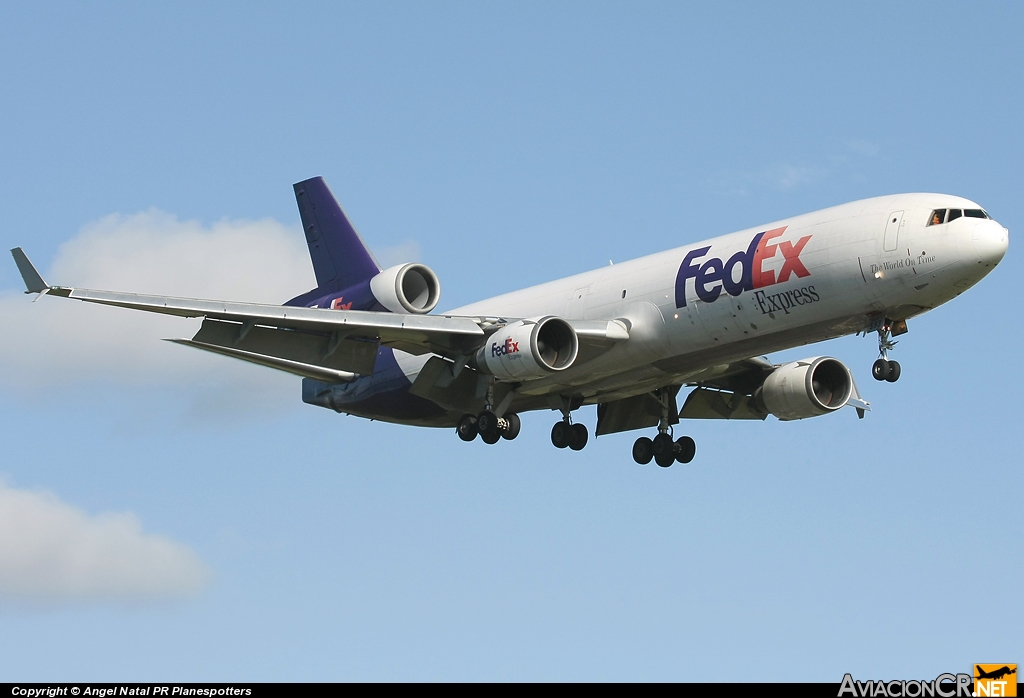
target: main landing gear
<point>662,448</point>
<point>883,369</point>
<point>565,433</point>
<point>489,426</point>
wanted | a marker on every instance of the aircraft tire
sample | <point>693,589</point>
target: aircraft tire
<point>561,434</point>
<point>643,450</point>
<point>686,449</point>
<point>487,423</point>
<point>880,370</point>
<point>579,437</point>
<point>466,428</point>
<point>894,372</point>
<point>514,425</point>
<point>491,438</point>
<point>664,450</point>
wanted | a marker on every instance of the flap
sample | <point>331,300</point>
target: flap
<point>318,349</point>
<point>637,412</point>
<point>436,383</point>
<point>743,376</point>
<point>319,373</point>
<point>702,403</point>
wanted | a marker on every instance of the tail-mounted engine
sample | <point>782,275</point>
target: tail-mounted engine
<point>404,288</point>
<point>806,388</point>
<point>407,288</point>
<point>529,348</point>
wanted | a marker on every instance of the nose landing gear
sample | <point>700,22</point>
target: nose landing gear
<point>662,448</point>
<point>883,369</point>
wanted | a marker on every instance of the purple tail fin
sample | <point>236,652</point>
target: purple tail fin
<point>340,257</point>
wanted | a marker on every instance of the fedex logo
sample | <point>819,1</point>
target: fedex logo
<point>714,275</point>
<point>508,347</point>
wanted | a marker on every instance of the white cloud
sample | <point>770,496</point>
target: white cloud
<point>782,177</point>
<point>403,253</point>
<point>790,176</point>
<point>53,552</point>
<point>57,341</point>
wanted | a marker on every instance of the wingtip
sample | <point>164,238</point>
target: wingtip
<point>33,280</point>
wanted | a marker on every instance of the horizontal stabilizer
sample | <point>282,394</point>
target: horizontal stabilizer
<point>33,281</point>
<point>320,373</point>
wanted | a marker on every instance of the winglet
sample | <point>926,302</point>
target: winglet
<point>33,281</point>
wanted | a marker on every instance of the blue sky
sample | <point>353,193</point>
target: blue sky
<point>153,147</point>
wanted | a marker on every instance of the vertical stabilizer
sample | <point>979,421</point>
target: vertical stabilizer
<point>340,257</point>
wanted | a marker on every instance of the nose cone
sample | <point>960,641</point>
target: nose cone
<point>990,242</point>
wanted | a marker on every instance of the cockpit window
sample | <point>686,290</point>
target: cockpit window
<point>939,215</point>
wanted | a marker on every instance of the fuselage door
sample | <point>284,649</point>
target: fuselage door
<point>892,231</point>
<point>578,303</point>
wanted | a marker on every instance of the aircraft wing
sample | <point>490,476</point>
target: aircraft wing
<point>722,391</point>
<point>416,334</point>
<point>726,391</point>
<point>321,343</point>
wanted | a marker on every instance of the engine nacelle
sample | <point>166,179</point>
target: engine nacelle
<point>529,349</point>
<point>407,288</point>
<point>806,388</point>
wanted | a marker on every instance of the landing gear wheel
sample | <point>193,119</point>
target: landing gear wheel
<point>579,437</point>
<point>561,434</point>
<point>643,450</point>
<point>487,424</point>
<point>490,437</point>
<point>881,369</point>
<point>514,425</point>
<point>664,450</point>
<point>466,428</point>
<point>894,372</point>
<point>686,449</point>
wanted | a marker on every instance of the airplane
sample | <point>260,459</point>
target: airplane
<point>627,337</point>
<point>995,674</point>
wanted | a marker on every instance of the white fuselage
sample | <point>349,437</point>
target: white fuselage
<point>820,275</point>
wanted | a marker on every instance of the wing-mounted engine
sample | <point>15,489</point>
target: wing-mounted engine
<point>528,349</point>
<point>753,389</point>
<point>806,388</point>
